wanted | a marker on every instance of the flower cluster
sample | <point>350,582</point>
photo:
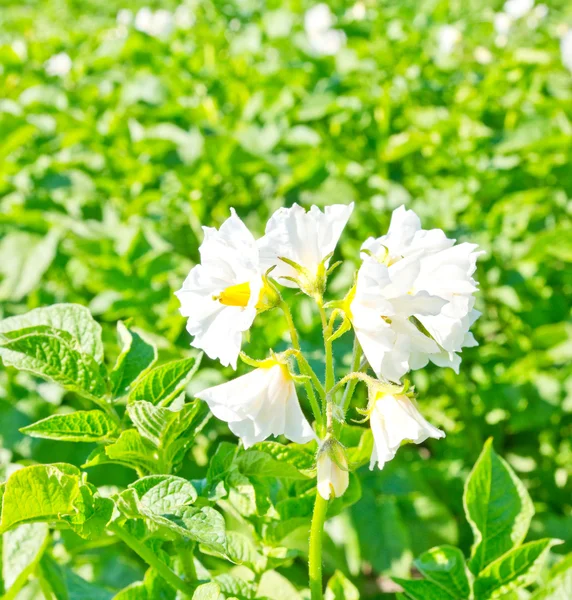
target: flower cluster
<point>412,302</point>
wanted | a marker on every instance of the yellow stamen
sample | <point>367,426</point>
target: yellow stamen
<point>235,295</point>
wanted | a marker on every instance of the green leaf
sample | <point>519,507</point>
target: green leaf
<point>341,588</point>
<point>92,515</point>
<point>261,464</point>
<point>518,568</point>
<point>53,354</point>
<point>137,356</point>
<point>69,586</point>
<point>153,587</point>
<point>221,463</point>
<point>299,456</point>
<point>207,591</point>
<point>165,500</point>
<point>80,426</point>
<point>130,450</point>
<point>240,549</point>
<point>422,589</point>
<point>445,566</point>
<point>24,258</point>
<point>39,493</point>
<point>497,506</point>
<point>74,319</point>
<point>22,548</point>
<point>164,383</point>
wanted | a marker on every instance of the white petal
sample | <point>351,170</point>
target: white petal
<point>260,404</point>
<point>395,419</point>
<point>303,237</point>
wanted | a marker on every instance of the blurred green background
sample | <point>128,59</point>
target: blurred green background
<point>123,131</point>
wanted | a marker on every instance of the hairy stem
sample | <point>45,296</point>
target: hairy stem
<point>315,556</point>
<point>327,330</point>
<point>304,367</point>
<point>187,560</point>
<point>151,559</point>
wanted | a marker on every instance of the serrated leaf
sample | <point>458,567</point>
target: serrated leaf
<point>341,588</point>
<point>422,589</point>
<point>80,426</point>
<point>164,383</point>
<point>130,450</point>
<point>497,506</point>
<point>445,566</point>
<point>74,319</point>
<point>53,354</point>
<point>137,356</point>
<point>22,548</point>
<point>517,568</point>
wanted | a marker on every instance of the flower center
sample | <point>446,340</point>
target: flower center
<point>235,295</point>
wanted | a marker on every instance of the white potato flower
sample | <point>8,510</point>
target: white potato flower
<point>59,65</point>
<point>333,473</point>
<point>448,37</point>
<point>306,238</point>
<point>260,404</point>
<point>566,50</point>
<point>518,8</point>
<point>159,23</point>
<point>318,23</point>
<point>413,300</point>
<point>394,419</point>
<point>221,295</point>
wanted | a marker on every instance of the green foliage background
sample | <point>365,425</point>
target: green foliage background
<point>107,174</point>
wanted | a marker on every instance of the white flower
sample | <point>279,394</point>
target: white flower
<point>448,37</point>
<point>58,65</point>
<point>566,50</point>
<point>502,23</point>
<point>318,22</point>
<point>518,8</point>
<point>380,312</point>
<point>333,474</point>
<point>157,23</point>
<point>394,419</point>
<point>260,404</point>
<point>413,301</point>
<point>306,238</point>
<point>220,296</point>
<point>483,55</point>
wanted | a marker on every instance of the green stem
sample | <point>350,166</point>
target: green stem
<point>327,329</point>
<point>304,367</point>
<point>187,560</point>
<point>351,385</point>
<point>151,559</point>
<point>315,557</point>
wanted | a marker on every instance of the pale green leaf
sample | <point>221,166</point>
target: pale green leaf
<point>24,258</point>
<point>261,464</point>
<point>153,587</point>
<point>165,382</point>
<point>207,591</point>
<point>137,356</point>
<point>517,568</point>
<point>497,506</point>
<point>80,426</point>
<point>74,319</point>
<point>445,566</point>
<point>22,548</point>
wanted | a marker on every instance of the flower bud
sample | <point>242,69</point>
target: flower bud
<point>333,474</point>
